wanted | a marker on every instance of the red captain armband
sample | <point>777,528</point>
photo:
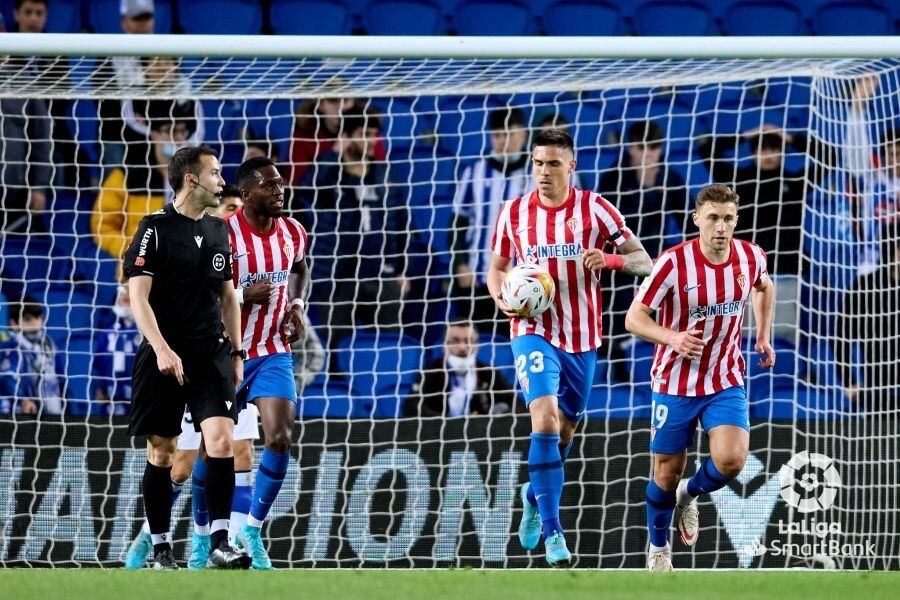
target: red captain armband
<point>614,262</point>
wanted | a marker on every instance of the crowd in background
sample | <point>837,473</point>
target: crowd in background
<point>374,270</point>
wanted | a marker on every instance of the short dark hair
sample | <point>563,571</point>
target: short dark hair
<point>249,169</point>
<point>717,193</point>
<point>19,3</point>
<point>230,191</point>
<point>554,137</point>
<point>267,147</point>
<point>186,160</point>
<point>25,307</point>
<point>767,141</point>
<point>358,117</point>
<point>554,119</point>
<point>646,132</point>
<point>501,119</point>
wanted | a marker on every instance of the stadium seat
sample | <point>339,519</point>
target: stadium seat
<point>383,366</point>
<point>583,17</point>
<point>853,18</point>
<point>223,17</point>
<point>332,400</point>
<point>63,16</point>
<point>103,16</point>
<point>404,17</point>
<point>292,17</point>
<point>763,17</point>
<point>493,17</point>
<point>670,17</point>
<point>498,353</point>
<point>621,401</point>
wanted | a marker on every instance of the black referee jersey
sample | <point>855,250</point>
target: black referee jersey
<point>188,260</point>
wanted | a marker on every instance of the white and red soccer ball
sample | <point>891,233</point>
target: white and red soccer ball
<point>528,289</point>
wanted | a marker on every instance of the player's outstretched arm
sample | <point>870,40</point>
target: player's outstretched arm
<point>167,361</point>
<point>496,272</point>
<point>763,299</point>
<point>632,259</point>
<point>688,344</point>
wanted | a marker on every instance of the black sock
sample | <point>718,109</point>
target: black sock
<point>219,494</point>
<point>157,490</point>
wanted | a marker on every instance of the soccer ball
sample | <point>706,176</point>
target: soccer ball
<point>528,289</point>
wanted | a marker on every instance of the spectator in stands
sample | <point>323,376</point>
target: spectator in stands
<point>25,145</point>
<point>771,197</point>
<point>875,170</point>
<point>317,125</point>
<point>260,147</point>
<point>30,16</point>
<point>358,226</point>
<point>120,73</point>
<point>31,368</point>
<point>458,384</point>
<point>868,331</point>
<point>654,201</point>
<point>483,187</point>
<point>116,341</point>
<point>127,195</point>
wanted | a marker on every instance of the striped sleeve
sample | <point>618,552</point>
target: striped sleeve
<point>298,237</point>
<point>762,270</point>
<point>502,241</point>
<point>657,286</point>
<point>611,221</point>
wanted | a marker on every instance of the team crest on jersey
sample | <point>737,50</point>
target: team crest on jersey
<point>288,248</point>
<point>572,222</point>
<point>742,281</point>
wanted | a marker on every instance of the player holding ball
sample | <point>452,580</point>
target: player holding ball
<point>561,230</point>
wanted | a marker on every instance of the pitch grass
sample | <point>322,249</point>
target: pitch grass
<point>463,584</point>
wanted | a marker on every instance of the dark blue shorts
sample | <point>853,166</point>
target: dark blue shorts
<point>544,370</point>
<point>673,419</point>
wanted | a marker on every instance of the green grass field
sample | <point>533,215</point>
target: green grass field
<point>462,584</point>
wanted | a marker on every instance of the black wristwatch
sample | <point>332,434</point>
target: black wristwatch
<point>242,353</point>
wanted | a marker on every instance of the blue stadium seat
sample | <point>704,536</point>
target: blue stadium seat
<point>671,17</point>
<point>583,17</point>
<point>332,400</point>
<point>763,17</point>
<point>63,16</point>
<point>404,17</point>
<point>292,17</point>
<point>493,17</point>
<point>103,16</point>
<point>853,18</point>
<point>383,366</point>
<point>620,401</point>
<point>4,311</point>
<point>223,17</point>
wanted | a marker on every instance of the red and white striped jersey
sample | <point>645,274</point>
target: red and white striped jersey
<point>689,293</point>
<point>556,238</point>
<point>258,256</point>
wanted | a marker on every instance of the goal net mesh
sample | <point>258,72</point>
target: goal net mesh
<point>377,479</point>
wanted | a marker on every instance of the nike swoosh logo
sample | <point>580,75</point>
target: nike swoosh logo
<point>688,288</point>
<point>521,230</point>
<point>238,255</point>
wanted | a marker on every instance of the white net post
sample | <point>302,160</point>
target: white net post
<point>374,486</point>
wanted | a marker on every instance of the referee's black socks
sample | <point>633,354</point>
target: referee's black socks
<point>157,491</point>
<point>219,494</point>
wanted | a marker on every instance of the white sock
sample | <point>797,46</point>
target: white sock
<point>161,538</point>
<point>218,525</point>
<point>658,548</point>
<point>145,528</point>
<point>254,522</point>
<point>234,528</point>
<point>682,496</point>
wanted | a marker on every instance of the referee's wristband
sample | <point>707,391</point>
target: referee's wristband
<point>298,302</point>
<point>239,292</point>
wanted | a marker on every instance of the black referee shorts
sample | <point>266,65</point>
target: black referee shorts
<point>157,402</point>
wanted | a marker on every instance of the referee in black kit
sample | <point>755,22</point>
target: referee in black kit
<point>179,278</point>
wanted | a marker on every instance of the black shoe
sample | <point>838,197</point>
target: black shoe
<point>165,561</point>
<point>224,556</point>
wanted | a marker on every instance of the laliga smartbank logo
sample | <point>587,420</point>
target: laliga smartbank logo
<point>817,479</point>
<point>809,482</point>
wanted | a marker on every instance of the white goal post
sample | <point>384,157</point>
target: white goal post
<point>807,123</point>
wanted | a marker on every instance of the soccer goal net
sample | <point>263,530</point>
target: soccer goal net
<point>396,155</point>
